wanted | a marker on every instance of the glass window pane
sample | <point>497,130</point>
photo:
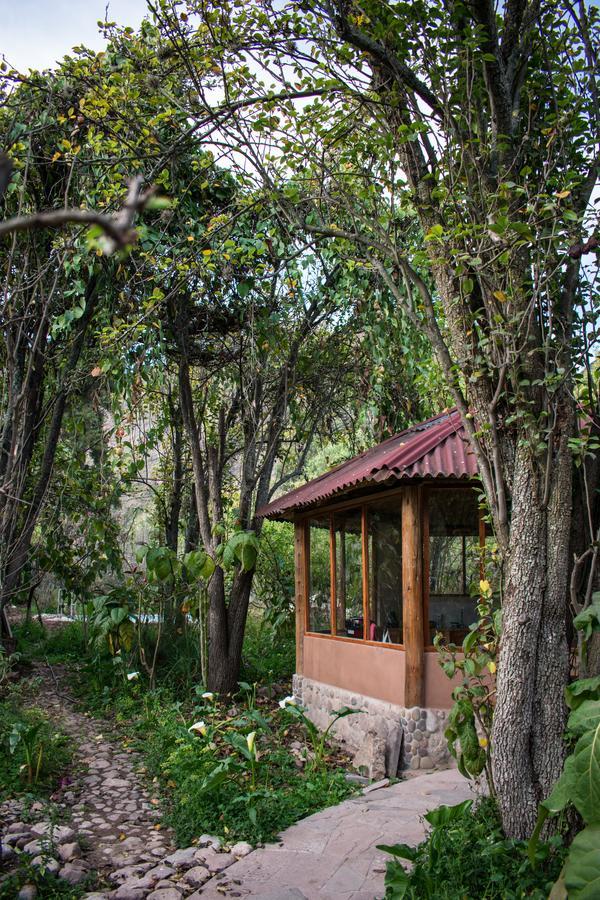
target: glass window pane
<point>348,573</point>
<point>454,562</point>
<point>319,591</point>
<point>384,522</point>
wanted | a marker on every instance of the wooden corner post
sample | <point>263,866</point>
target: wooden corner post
<point>412,597</point>
<point>300,574</point>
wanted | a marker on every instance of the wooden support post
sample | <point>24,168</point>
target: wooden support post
<point>301,612</point>
<point>412,598</point>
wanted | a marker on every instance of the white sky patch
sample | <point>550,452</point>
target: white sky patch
<point>35,34</point>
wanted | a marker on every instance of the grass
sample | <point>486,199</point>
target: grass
<point>39,737</point>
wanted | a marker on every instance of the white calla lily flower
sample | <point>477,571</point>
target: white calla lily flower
<point>131,676</point>
<point>198,728</point>
<point>250,739</point>
<point>287,701</point>
<point>207,695</point>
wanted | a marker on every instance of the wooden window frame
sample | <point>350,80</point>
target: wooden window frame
<point>429,648</point>
<point>362,504</point>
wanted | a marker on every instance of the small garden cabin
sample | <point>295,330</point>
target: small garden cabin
<point>389,549</point>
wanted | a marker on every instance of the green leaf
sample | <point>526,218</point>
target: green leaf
<point>581,690</point>
<point>401,851</point>
<point>582,869</point>
<point>560,796</point>
<point>585,718</point>
<point>588,621</point>
<point>586,769</point>
<point>444,815</point>
<point>118,614</point>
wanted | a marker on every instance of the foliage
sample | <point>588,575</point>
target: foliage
<point>274,583</point>
<point>64,644</point>
<point>318,739</point>
<point>112,618</point>
<point>474,696</point>
<point>34,755</point>
<point>269,653</point>
<point>466,852</point>
<point>579,784</point>
<point>230,772</point>
<point>48,886</point>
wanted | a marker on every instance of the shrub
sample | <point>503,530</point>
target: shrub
<point>268,655</point>
<point>232,774</point>
<point>466,857</point>
<point>33,755</point>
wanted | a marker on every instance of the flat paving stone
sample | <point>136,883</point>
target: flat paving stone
<point>332,855</point>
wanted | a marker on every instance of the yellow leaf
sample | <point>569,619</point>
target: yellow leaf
<point>122,836</point>
<point>56,156</point>
<point>190,237</point>
<point>492,667</point>
<point>501,296</point>
<point>207,253</point>
<point>562,194</point>
<point>483,742</point>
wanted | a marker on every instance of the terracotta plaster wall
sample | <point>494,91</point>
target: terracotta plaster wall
<point>438,687</point>
<point>354,666</point>
<point>373,671</point>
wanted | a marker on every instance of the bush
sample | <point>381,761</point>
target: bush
<point>33,756</point>
<point>268,655</point>
<point>233,774</point>
<point>466,857</point>
<point>65,643</point>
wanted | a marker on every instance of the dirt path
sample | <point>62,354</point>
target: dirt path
<point>108,822</point>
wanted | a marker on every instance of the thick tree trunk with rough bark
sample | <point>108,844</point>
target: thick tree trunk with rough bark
<point>530,714</point>
<point>226,626</point>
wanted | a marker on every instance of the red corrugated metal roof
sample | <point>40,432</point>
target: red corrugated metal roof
<point>437,448</point>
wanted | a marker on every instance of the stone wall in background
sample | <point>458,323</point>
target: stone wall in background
<point>387,738</point>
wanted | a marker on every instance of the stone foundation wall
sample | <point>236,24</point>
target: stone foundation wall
<point>409,738</point>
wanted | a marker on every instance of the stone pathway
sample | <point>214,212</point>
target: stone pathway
<point>108,822</point>
<point>332,854</point>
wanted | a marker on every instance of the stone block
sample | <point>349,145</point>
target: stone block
<point>371,756</point>
<point>393,750</point>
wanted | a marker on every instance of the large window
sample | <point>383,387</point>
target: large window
<point>384,524</point>
<point>319,568</point>
<point>354,567</point>
<point>454,562</point>
<point>347,535</point>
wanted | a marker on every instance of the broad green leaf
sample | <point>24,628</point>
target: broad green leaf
<point>443,815</point>
<point>582,869</point>
<point>585,718</point>
<point>588,621</point>
<point>583,689</point>
<point>560,796</point>
<point>586,769</point>
<point>118,614</point>
<point>401,851</point>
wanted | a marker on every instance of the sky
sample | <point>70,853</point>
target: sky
<point>34,34</point>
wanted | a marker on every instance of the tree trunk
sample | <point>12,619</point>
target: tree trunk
<point>226,626</point>
<point>530,715</point>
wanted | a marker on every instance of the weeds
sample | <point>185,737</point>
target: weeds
<point>467,857</point>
